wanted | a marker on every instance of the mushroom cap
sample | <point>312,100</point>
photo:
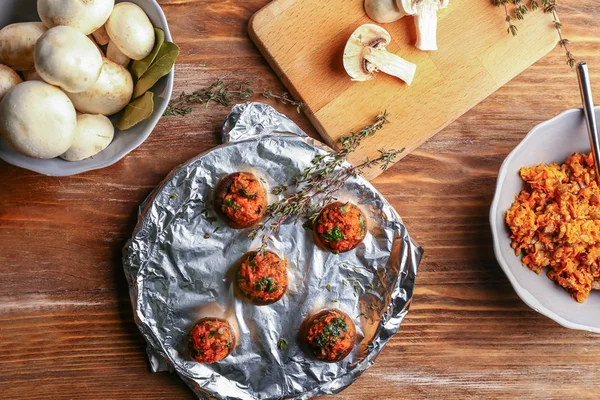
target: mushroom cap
<point>385,11</point>
<point>92,135</point>
<point>8,80</point>
<point>17,44</point>
<point>109,94</point>
<point>131,30</point>
<point>84,15</point>
<point>367,35</point>
<point>32,75</point>
<point>37,120</point>
<point>65,57</point>
<point>114,54</point>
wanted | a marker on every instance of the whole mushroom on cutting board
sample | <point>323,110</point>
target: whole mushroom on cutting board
<point>365,55</point>
<point>424,12</point>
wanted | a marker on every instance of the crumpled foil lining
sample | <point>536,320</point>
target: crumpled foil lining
<point>177,264</point>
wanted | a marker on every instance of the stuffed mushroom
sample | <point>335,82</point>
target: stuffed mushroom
<point>240,199</point>
<point>262,278</point>
<point>340,227</point>
<point>211,340</point>
<point>329,335</point>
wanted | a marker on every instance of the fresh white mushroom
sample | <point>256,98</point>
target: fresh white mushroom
<point>131,31</point>
<point>37,120</point>
<point>8,80</point>
<point>17,44</point>
<point>101,36</point>
<point>114,54</point>
<point>109,94</point>
<point>365,55</point>
<point>65,57</point>
<point>424,11</point>
<point>84,15</point>
<point>92,135</point>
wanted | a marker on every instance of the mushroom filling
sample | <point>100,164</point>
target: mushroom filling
<point>211,340</point>
<point>263,277</point>
<point>244,200</point>
<point>330,337</point>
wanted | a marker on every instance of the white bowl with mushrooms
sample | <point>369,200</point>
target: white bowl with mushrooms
<point>65,86</point>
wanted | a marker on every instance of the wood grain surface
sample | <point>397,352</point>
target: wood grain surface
<point>66,326</point>
<point>470,65</point>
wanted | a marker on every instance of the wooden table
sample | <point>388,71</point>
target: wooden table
<point>66,326</point>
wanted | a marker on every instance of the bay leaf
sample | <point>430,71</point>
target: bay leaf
<point>136,111</point>
<point>139,67</point>
<point>160,67</point>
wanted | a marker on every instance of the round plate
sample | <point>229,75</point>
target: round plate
<point>552,141</point>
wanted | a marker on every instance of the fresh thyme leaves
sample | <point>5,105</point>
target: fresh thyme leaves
<point>520,9</point>
<point>229,203</point>
<point>334,235</point>
<point>282,344</point>
<point>317,185</point>
<point>224,94</point>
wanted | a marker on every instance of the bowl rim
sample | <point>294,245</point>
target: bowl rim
<point>527,297</point>
<point>150,123</point>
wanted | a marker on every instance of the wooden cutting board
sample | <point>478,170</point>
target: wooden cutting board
<point>304,40</point>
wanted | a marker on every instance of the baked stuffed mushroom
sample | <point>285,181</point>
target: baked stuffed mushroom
<point>211,340</point>
<point>240,199</point>
<point>329,335</point>
<point>340,227</point>
<point>262,278</point>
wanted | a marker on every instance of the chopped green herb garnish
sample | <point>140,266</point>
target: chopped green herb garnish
<point>282,344</point>
<point>173,196</point>
<point>356,270</point>
<point>344,282</point>
<point>228,344</point>
<point>247,195</point>
<point>334,235</point>
<point>343,209</point>
<point>262,180</point>
<point>252,263</point>
<point>229,203</point>
<point>266,285</point>
<point>217,229</point>
<point>212,334</point>
<point>207,236</point>
<point>328,287</point>
<point>370,286</point>
<point>334,301</point>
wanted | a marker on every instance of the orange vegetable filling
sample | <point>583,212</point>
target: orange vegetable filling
<point>245,200</point>
<point>263,277</point>
<point>331,336</point>
<point>341,227</point>
<point>555,223</point>
<point>211,340</point>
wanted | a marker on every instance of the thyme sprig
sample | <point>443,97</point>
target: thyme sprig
<point>318,184</point>
<point>224,94</point>
<point>549,7</point>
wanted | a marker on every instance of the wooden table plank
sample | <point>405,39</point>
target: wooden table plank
<point>66,327</point>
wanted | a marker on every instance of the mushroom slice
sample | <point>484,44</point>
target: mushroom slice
<point>365,55</point>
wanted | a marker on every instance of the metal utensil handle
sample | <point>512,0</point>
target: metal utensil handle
<point>588,111</point>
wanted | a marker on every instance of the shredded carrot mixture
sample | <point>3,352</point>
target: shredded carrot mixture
<point>341,227</point>
<point>555,223</point>
<point>211,340</point>
<point>245,200</point>
<point>331,336</point>
<point>263,277</point>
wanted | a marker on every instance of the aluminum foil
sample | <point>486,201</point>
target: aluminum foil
<point>179,258</point>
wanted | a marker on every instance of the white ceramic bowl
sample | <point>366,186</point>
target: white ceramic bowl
<point>124,142</point>
<point>551,141</point>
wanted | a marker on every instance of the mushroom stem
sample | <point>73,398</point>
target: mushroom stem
<point>426,23</point>
<point>384,61</point>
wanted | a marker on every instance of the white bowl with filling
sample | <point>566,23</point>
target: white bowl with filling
<point>553,141</point>
<point>124,142</point>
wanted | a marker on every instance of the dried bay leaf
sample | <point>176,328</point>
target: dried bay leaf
<point>161,66</point>
<point>136,111</point>
<point>139,67</point>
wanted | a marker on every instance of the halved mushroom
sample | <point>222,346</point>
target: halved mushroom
<point>17,44</point>
<point>85,16</point>
<point>8,80</point>
<point>109,94</point>
<point>131,30</point>
<point>424,11</point>
<point>67,58</point>
<point>365,55</point>
<point>37,120</point>
<point>92,135</point>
